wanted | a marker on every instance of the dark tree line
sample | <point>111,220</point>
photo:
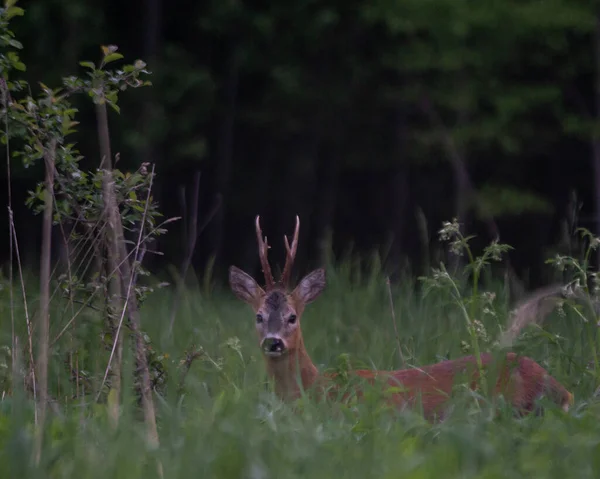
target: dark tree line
<point>373,121</point>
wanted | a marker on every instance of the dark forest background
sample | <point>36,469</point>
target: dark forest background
<point>373,121</point>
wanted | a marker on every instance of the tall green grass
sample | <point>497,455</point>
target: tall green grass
<point>226,423</point>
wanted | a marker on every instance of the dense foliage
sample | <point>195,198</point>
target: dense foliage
<point>374,121</point>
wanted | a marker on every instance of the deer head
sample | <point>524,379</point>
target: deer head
<point>277,308</point>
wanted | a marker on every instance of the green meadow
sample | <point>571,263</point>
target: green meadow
<point>222,420</point>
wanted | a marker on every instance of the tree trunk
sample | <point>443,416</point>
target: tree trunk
<point>114,304</point>
<point>44,318</point>
<point>118,251</point>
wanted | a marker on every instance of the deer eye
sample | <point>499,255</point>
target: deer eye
<point>259,318</point>
<point>292,319</point>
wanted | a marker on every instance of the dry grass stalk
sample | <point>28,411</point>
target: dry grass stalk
<point>389,288</point>
<point>32,379</point>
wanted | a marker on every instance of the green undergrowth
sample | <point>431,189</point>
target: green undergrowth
<point>224,421</point>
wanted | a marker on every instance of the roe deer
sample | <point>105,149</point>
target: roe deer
<point>278,311</point>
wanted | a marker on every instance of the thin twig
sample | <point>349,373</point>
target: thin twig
<point>191,246</point>
<point>116,269</point>
<point>136,327</point>
<point>85,303</point>
<point>10,236</point>
<point>27,320</point>
<point>192,238</point>
<point>187,364</point>
<point>129,286</point>
<point>389,286</point>
<point>76,273</point>
<point>16,366</point>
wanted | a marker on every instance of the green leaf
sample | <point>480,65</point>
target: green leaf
<point>14,12</point>
<point>112,57</point>
<point>89,65</point>
<point>115,107</point>
<point>15,44</point>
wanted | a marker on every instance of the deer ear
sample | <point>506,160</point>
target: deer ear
<point>244,286</point>
<point>311,286</point>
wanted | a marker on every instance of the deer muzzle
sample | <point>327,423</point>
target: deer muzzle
<point>273,346</point>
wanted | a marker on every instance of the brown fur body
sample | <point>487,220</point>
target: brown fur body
<point>278,311</point>
<point>519,379</point>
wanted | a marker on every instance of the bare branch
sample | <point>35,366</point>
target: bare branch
<point>27,320</point>
<point>190,357</point>
<point>192,237</point>
<point>112,272</point>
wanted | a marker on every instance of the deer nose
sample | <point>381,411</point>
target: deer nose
<point>273,346</point>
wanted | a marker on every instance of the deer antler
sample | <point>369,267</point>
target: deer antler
<point>291,254</point>
<point>263,248</point>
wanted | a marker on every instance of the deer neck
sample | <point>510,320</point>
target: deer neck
<point>291,372</point>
